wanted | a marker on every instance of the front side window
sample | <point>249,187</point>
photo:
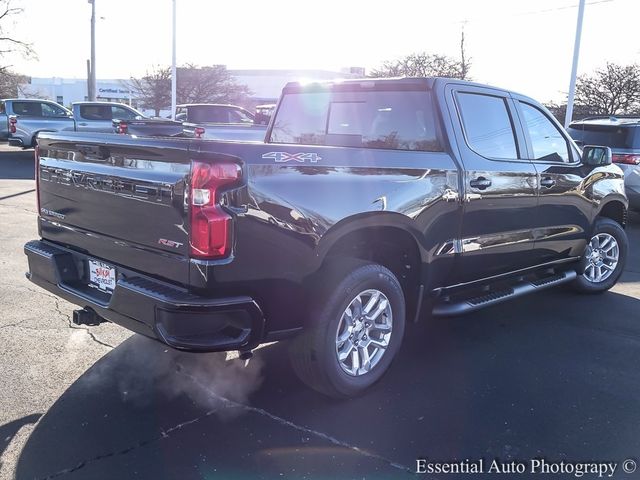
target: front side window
<point>548,144</point>
<point>374,119</point>
<point>123,113</point>
<point>487,125</point>
<point>239,116</point>
<point>49,110</point>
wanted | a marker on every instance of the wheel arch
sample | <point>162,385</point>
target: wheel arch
<point>615,209</point>
<point>385,238</point>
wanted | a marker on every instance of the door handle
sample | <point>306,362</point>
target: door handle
<point>480,183</point>
<point>82,124</point>
<point>547,182</point>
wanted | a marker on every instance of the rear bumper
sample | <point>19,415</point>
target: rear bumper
<point>148,306</point>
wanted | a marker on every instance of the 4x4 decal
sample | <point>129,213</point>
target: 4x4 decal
<point>282,157</point>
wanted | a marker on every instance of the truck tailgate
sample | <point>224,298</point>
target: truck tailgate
<point>122,202</point>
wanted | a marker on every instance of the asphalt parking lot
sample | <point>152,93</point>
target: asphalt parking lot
<point>553,375</point>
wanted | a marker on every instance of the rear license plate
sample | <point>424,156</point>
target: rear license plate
<point>102,276</point>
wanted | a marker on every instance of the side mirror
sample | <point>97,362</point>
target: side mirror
<point>596,156</point>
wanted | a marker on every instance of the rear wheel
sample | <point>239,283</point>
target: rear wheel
<point>603,259</point>
<point>356,329</point>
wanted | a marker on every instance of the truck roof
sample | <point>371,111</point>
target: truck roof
<point>386,83</point>
<point>207,105</point>
<point>99,102</point>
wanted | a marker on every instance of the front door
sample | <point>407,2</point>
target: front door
<point>564,211</point>
<point>500,195</point>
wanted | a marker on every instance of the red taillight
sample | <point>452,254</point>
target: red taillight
<point>12,124</point>
<point>210,224</point>
<point>123,128</point>
<point>37,175</point>
<point>198,132</point>
<point>628,159</point>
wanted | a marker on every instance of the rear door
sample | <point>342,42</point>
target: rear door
<point>500,205</point>
<point>565,212</point>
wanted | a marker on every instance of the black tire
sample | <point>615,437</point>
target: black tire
<point>313,353</point>
<point>582,284</point>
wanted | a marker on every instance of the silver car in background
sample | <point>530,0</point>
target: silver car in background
<point>622,134</point>
<point>22,119</point>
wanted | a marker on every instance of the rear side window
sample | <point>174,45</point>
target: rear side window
<point>487,125</point>
<point>32,109</point>
<point>3,110</point>
<point>375,119</point>
<point>614,136</point>
<point>95,112</point>
<point>547,142</point>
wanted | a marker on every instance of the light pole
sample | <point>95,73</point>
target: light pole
<point>173,66</point>
<point>574,68</point>
<point>91,87</point>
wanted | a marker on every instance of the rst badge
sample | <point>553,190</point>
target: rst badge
<point>169,243</point>
<point>282,157</point>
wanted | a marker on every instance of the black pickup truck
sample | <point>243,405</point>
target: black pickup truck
<point>372,204</point>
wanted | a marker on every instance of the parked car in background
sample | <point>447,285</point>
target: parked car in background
<point>99,116</point>
<point>26,118</point>
<point>264,113</point>
<point>198,120</point>
<point>213,113</point>
<point>622,134</point>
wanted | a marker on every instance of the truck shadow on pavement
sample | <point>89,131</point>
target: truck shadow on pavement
<point>552,375</point>
<point>16,164</point>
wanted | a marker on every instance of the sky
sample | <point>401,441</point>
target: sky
<point>521,45</point>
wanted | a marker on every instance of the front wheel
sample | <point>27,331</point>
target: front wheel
<point>356,329</point>
<point>603,259</point>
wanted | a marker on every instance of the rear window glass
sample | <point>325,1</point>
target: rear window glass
<point>613,136</point>
<point>376,119</point>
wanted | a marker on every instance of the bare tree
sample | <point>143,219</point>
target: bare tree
<point>194,85</point>
<point>9,44</point>
<point>154,89</point>
<point>10,83</point>
<point>465,63</point>
<point>423,65</point>
<point>614,89</point>
<point>213,84</point>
